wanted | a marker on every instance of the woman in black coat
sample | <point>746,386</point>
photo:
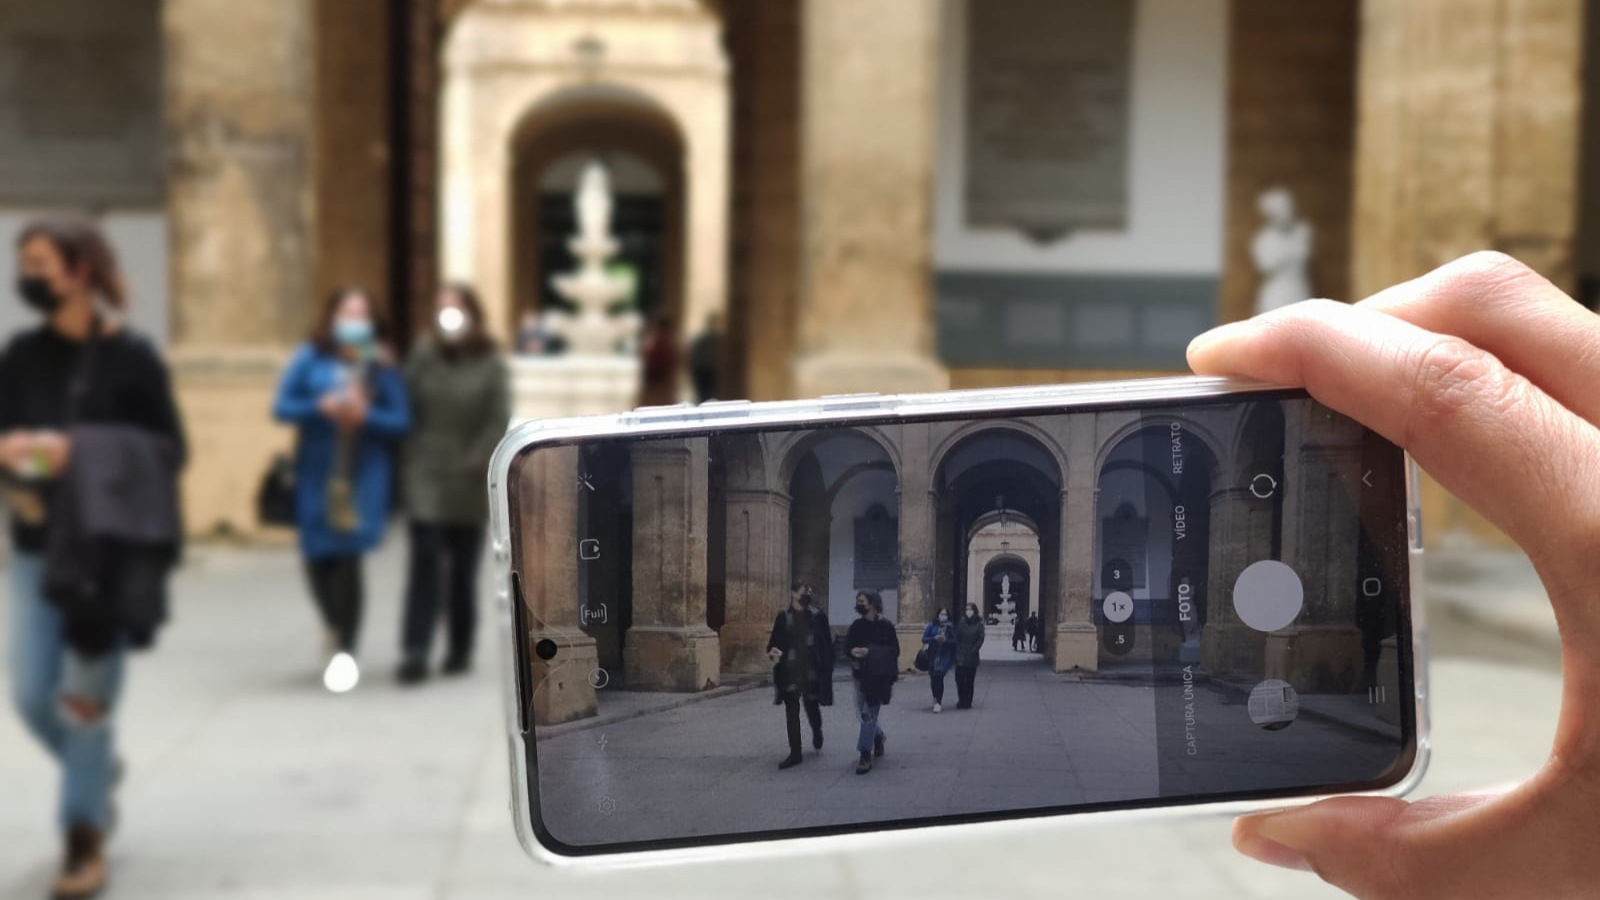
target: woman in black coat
<point>801,649</point>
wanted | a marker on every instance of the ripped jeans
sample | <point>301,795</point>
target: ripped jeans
<point>43,671</point>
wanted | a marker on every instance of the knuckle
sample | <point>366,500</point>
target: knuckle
<point>1486,274</point>
<point>1451,376</point>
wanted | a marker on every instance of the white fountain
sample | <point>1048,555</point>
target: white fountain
<point>599,371</point>
<point>1006,609</point>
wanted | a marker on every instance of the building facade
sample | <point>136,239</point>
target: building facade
<point>879,195</point>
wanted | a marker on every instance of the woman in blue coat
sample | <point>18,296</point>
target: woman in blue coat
<point>347,401</point>
<point>939,641</point>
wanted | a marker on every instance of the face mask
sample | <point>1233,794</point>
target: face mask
<point>861,609</point>
<point>943,618</point>
<point>452,323</point>
<point>352,332</point>
<point>972,614</point>
<point>37,293</point>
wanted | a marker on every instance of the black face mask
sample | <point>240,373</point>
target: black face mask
<point>861,609</point>
<point>37,293</point>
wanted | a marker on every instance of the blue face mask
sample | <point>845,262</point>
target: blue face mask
<point>352,332</point>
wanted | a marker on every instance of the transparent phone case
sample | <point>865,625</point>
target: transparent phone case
<point>684,419</point>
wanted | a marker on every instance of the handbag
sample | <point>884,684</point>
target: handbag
<point>921,661</point>
<point>275,500</point>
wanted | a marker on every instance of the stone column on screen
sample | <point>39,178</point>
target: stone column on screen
<point>917,523</point>
<point>756,563</point>
<point>546,506</point>
<point>1320,653</point>
<point>669,647</point>
<point>1076,642</point>
<point>1241,533</point>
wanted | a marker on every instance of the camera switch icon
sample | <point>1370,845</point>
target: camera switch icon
<point>588,549</point>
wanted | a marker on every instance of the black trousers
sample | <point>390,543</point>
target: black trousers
<point>965,677</point>
<point>444,567</point>
<point>791,714</point>
<point>936,681</point>
<point>336,587</point>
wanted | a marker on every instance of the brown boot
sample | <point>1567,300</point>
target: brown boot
<point>84,872</point>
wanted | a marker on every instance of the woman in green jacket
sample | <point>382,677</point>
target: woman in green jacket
<point>461,406</point>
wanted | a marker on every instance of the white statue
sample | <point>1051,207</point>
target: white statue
<point>594,329</point>
<point>1006,610</point>
<point>1282,252</point>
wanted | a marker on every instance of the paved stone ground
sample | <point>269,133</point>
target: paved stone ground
<point>1032,740</point>
<point>246,781</point>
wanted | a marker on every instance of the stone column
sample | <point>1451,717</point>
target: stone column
<point>869,104</point>
<point>669,647</point>
<point>1321,652</point>
<point>1469,116</point>
<point>1076,644</point>
<point>757,576</point>
<point>239,103</point>
<point>1241,533</point>
<point>547,568</point>
<point>917,514</point>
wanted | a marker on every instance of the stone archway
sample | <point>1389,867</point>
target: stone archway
<point>643,152</point>
<point>505,63</point>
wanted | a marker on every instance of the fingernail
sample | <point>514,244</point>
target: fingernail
<point>1272,853</point>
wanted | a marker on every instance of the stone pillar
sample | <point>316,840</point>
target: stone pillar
<point>239,101</point>
<point>669,647</point>
<point>1077,640</point>
<point>547,567</point>
<point>869,104</point>
<point>757,576</point>
<point>915,588</point>
<point>1321,652</point>
<point>1469,117</point>
<point>1241,533</point>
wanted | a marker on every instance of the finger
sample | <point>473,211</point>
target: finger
<point>1486,433</point>
<point>1371,847</point>
<point>1501,305</point>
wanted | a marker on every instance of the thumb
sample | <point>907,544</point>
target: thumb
<point>1358,844</point>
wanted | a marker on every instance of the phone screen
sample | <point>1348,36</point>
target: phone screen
<point>743,634</point>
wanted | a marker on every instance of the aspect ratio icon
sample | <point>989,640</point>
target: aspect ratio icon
<point>588,549</point>
<point>1263,486</point>
<point>593,615</point>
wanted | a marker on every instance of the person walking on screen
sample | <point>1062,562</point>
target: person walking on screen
<point>969,637</point>
<point>347,400</point>
<point>461,403</point>
<point>1033,632</point>
<point>875,662</point>
<point>939,642</point>
<point>801,650</point>
<point>1019,634</point>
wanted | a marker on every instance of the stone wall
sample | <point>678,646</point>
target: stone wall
<point>1291,123</point>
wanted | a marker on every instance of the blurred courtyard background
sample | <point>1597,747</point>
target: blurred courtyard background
<point>856,195</point>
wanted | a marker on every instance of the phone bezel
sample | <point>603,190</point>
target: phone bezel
<point>863,409</point>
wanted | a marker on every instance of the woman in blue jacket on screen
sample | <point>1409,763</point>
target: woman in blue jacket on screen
<point>347,401</point>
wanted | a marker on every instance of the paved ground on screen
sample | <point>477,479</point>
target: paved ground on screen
<point>245,781</point>
<point>1032,739</point>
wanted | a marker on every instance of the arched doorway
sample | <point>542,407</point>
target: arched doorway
<point>1152,545</point>
<point>998,514</point>
<point>527,83</point>
<point>844,521</point>
<point>643,152</point>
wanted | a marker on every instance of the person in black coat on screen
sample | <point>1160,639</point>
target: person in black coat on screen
<point>801,650</point>
<point>875,657</point>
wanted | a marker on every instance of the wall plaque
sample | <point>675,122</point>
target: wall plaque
<point>1048,93</point>
<point>80,102</point>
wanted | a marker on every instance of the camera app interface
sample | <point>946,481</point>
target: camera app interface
<point>762,633</point>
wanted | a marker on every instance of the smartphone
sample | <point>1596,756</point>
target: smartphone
<point>1153,594</point>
